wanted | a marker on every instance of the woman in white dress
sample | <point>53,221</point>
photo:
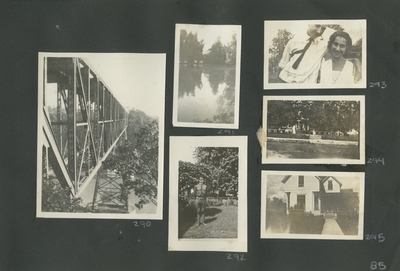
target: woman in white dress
<point>338,70</point>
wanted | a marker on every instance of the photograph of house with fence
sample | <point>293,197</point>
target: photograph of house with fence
<point>207,194</point>
<point>312,206</point>
<point>314,129</point>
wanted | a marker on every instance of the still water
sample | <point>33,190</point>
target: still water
<point>206,94</point>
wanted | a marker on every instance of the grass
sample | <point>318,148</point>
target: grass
<point>348,223</point>
<point>276,222</point>
<point>302,223</point>
<point>222,222</point>
<point>311,151</point>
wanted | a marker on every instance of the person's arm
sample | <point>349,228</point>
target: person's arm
<point>327,33</point>
<point>285,55</point>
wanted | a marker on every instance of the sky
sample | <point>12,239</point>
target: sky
<point>353,28</point>
<point>136,80</point>
<point>186,154</point>
<point>210,33</point>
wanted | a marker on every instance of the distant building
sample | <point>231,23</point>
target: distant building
<point>318,194</point>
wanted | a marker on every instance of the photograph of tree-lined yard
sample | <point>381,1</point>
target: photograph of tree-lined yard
<point>313,129</point>
<point>218,166</point>
<point>207,74</point>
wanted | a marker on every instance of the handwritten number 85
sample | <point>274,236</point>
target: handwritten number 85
<point>377,265</point>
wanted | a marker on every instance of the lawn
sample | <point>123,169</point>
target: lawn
<point>310,151</point>
<point>348,223</point>
<point>305,223</point>
<point>222,222</point>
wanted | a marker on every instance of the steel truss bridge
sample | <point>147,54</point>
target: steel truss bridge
<point>80,122</point>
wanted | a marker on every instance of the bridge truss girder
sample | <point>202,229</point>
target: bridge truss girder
<point>80,124</point>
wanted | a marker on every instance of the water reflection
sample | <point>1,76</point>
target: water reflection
<point>206,94</point>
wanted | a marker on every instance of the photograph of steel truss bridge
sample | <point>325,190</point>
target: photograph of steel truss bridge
<point>100,135</point>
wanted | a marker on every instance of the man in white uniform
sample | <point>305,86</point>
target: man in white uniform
<point>302,56</point>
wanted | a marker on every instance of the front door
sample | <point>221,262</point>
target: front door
<point>301,202</point>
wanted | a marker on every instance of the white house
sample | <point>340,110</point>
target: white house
<point>307,191</point>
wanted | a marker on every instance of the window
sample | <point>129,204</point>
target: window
<point>330,185</point>
<point>301,181</point>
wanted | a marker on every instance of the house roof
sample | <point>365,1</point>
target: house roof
<point>284,180</point>
<point>322,179</point>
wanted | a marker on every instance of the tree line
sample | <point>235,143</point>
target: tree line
<point>320,115</point>
<point>191,51</point>
<point>217,165</point>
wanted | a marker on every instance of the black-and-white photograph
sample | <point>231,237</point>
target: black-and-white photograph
<point>100,135</point>
<point>313,130</point>
<point>207,76</point>
<point>208,194</point>
<point>315,54</point>
<point>309,205</point>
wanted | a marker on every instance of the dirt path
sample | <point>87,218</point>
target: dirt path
<point>331,227</point>
<point>221,222</point>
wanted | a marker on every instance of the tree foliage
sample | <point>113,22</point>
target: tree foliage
<point>57,199</point>
<point>278,45</point>
<point>136,161</point>
<point>321,115</point>
<point>220,54</point>
<point>217,165</point>
<point>191,49</point>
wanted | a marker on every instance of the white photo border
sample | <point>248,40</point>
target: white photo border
<point>264,143</point>
<point>175,122</point>
<point>268,38</point>
<point>158,215</point>
<point>264,185</point>
<point>238,244</point>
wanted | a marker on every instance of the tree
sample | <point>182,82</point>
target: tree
<point>191,49</point>
<point>222,164</point>
<point>230,50</point>
<point>216,55</point>
<point>276,49</point>
<point>136,162</point>
<point>189,175</point>
<point>321,115</point>
<point>217,165</point>
<point>57,199</point>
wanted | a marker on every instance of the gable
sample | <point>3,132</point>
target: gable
<point>300,183</point>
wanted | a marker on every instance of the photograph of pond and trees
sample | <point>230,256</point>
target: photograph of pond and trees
<point>313,129</point>
<point>206,87</point>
